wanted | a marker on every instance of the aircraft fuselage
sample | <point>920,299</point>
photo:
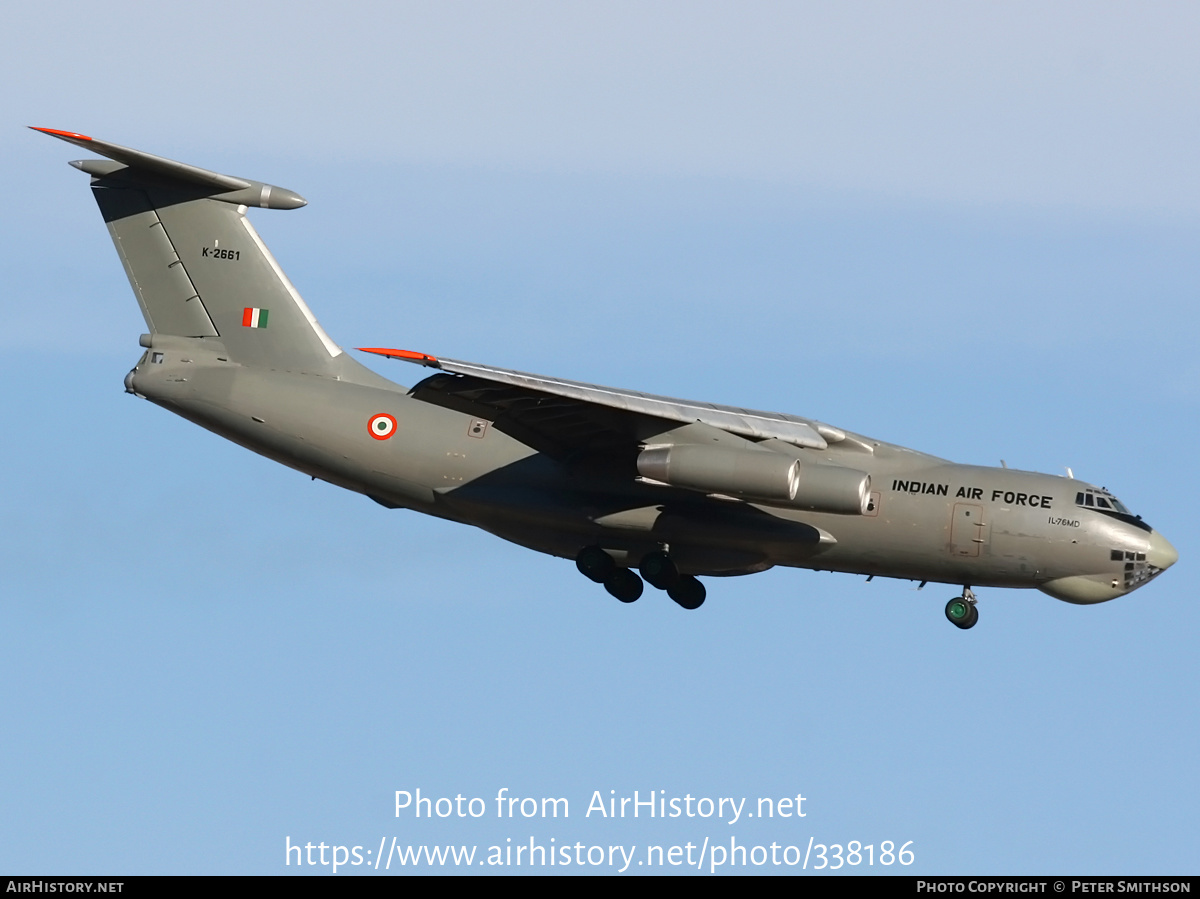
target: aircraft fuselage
<point>927,520</point>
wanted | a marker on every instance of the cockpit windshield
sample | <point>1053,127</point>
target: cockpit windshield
<point>1100,499</point>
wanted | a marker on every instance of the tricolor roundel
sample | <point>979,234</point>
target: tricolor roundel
<point>381,426</point>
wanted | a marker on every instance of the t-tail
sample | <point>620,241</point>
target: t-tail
<point>198,268</point>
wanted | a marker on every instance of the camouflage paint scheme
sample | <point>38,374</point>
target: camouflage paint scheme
<point>567,468</point>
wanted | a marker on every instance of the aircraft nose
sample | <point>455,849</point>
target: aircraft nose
<point>1161,554</point>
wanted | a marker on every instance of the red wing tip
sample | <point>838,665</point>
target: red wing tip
<point>423,358</point>
<point>57,133</point>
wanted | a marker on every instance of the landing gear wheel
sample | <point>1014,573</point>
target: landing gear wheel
<point>659,571</point>
<point>687,591</point>
<point>595,564</point>
<point>962,612</point>
<point>624,585</point>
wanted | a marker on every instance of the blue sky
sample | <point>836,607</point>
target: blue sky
<point>968,232</point>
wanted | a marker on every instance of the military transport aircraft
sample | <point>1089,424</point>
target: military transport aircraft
<point>620,481</point>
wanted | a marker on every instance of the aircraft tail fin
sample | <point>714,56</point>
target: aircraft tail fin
<point>195,263</point>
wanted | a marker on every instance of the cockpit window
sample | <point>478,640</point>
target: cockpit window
<point>1100,499</point>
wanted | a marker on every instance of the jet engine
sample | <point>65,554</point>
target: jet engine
<point>760,475</point>
<point>833,488</point>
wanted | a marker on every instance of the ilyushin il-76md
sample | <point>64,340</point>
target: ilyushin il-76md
<point>635,488</point>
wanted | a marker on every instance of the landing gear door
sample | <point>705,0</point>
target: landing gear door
<point>968,531</point>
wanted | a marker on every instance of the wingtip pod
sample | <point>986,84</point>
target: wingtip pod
<point>239,191</point>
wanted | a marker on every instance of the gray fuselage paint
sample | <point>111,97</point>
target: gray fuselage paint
<point>1029,532</point>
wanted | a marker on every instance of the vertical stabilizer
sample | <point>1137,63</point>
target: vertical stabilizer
<point>197,266</point>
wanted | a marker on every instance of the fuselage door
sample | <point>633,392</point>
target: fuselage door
<point>968,532</point>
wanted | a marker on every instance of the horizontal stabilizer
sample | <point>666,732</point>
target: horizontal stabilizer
<point>226,187</point>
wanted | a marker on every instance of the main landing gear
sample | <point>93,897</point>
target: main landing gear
<point>597,565</point>
<point>659,571</point>
<point>657,568</point>
<point>961,610</point>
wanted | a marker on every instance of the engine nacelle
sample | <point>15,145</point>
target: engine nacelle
<point>760,475</point>
<point>833,488</point>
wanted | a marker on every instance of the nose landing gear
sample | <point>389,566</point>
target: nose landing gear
<point>961,610</point>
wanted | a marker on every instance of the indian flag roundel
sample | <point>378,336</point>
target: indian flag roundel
<point>381,426</point>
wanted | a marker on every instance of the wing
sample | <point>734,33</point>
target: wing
<point>556,415</point>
